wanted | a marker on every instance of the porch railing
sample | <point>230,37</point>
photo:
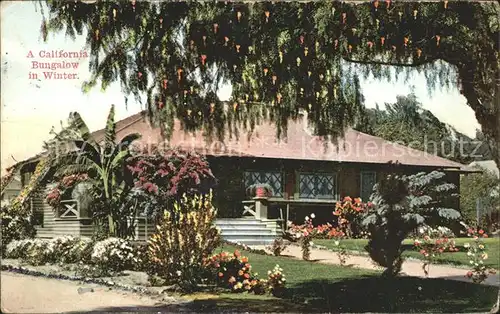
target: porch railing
<point>69,209</point>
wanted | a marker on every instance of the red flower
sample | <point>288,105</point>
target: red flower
<point>481,231</point>
<point>237,253</point>
<point>485,235</point>
<point>469,274</point>
<point>422,251</point>
<point>221,274</point>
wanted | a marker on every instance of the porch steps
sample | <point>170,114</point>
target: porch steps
<point>249,231</point>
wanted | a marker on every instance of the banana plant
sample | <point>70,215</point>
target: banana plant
<point>107,164</point>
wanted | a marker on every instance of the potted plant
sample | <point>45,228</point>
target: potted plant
<point>261,190</point>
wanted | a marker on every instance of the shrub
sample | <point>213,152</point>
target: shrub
<point>477,253</point>
<point>65,249</point>
<point>278,246</point>
<point>164,177</point>
<point>80,252</point>
<point>401,204</point>
<point>349,213</point>
<point>15,226</point>
<point>304,234</point>
<point>234,272</point>
<point>63,188</point>
<point>276,281</point>
<point>184,237</point>
<point>18,248</point>
<point>433,242</point>
<point>231,271</point>
<point>113,255</point>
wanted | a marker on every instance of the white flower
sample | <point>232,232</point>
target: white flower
<point>469,253</point>
<point>421,230</point>
<point>178,273</point>
<point>466,245</point>
<point>337,243</point>
<point>313,216</point>
<point>307,218</point>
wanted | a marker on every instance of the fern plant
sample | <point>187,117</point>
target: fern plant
<point>401,204</point>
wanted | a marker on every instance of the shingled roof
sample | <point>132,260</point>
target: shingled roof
<point>300,144</point>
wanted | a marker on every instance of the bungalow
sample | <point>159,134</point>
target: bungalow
<point>306,174</point>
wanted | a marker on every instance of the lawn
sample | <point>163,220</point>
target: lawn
<point>455,258</point>
<point>328,288</point>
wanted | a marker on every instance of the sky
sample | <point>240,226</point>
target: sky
<point>30,107</point>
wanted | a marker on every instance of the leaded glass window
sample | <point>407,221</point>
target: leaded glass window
<point>368,180</point>
<point>317,185</point>
<point>273,178</point>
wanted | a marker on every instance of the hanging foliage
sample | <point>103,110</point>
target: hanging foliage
<point>282,57</point>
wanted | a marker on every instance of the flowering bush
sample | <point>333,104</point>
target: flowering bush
<point>185,236</point>
<point>477,253</point>
<point>80,251</point>
<point>160,178</point>
<point>18,248</point>
<point>432,243</point>
<point>276,281</point>
<point>348,213</point>
<point>304,234</point>
<point>14,226</point>
<point>66,249</point>
<point>278,246</point>
<point>113,255</point>
<point>63,188</point>
<point>233,271</point>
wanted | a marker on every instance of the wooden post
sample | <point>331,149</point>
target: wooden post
<point>260,208</point>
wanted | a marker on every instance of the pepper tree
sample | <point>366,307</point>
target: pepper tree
<point>281,57</point>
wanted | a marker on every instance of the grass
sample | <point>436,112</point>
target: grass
<point>455,258</point>
<point>314,287</point>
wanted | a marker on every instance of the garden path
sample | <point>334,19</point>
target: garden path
<point>29,294</point>
<point>410,267</point>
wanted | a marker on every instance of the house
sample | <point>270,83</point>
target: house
<point>306,173</point>
<point>11,190</point>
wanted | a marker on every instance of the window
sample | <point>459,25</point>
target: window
<point>368,180</point>
<point>274,179</point>
<point>320,186</point>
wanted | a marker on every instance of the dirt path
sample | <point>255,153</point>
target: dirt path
<point>28,294</point>
<point>410,267</point>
